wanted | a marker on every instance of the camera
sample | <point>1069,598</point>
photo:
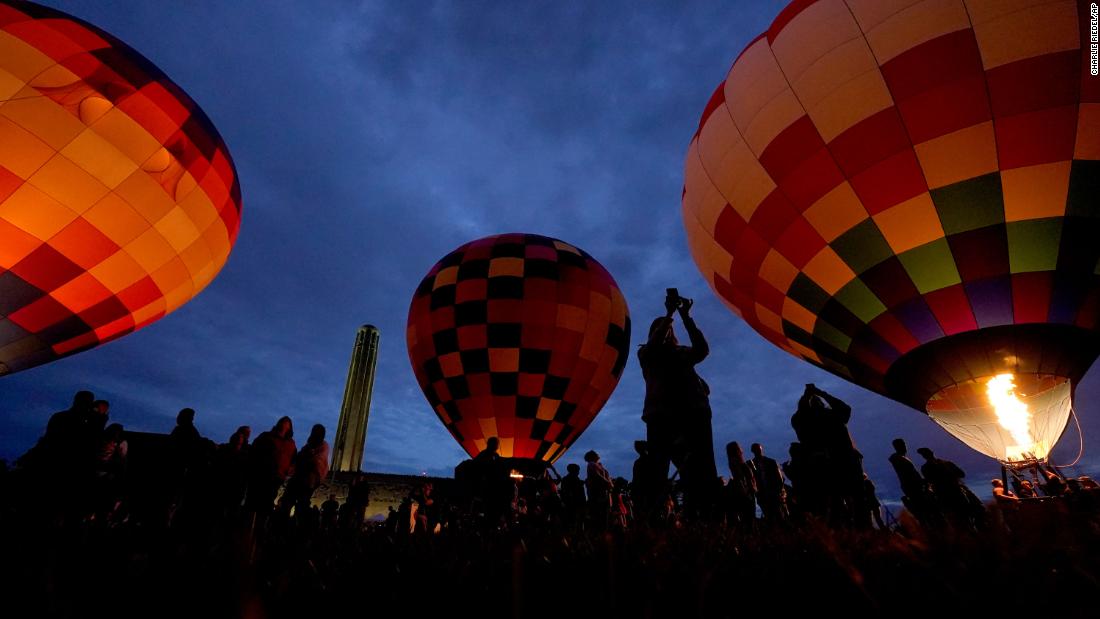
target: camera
<point>672,298</point>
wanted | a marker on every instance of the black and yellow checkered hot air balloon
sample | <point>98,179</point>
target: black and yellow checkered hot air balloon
<point>518,336</point>
<point>906,193</point>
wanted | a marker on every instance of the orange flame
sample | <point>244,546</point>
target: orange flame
<point>1014,417</point>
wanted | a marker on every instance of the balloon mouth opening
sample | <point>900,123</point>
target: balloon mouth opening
<point>1012,418</point>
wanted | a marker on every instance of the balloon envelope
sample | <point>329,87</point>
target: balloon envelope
<point>118,199</point>
<point>907,194</point>
<point>521,337</point>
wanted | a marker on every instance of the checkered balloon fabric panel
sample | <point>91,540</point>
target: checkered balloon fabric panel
<point>874,176</point>
<point>118,199</point>
<point>521,337</point>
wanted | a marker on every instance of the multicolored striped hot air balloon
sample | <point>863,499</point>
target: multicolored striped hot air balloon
<point>906,193</point>
<point>521,337</point>
<point>118,199</point>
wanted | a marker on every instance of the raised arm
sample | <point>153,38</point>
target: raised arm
<point>804,401</point>
<point>699,347</point>
<point>839,407</point>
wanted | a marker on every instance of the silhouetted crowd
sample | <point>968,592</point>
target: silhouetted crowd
<point>823,482</point>
<point>235,528</point>
<point>232,530</point>
<point>79,472</point>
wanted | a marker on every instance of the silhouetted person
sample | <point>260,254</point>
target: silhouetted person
<point>946,480</point>
<point>231,473</point>
<point>186,443</point>
<point>425,517</point>
<point>110,470</point>
<point>741,489</point>
<point>62,450</point>
<point>330,510</point>
<point>269,463</point>
<point>677,404</point>
<point>598,483</point>
<point>1055,485</point>
<point>357,501</point>
<point>647,483</point>
<point>496,489</point>
<point>93,427</point>
<point>821,424</point>
<point>406,514</point>
<point>185,432</point>
<point>66,425</point>
<point>917,497</point>
<point>822,420</point>
<point>1083,497</point>
<point>467,486</point>
<point>572,493</point>
<point>112,452</point>
<point>310,468</point>
<point>100,413</point>
<point>1027,491</point>
<point>622,507</point>
<point>190,461</point>
<point>871,505</point>
<point>808,483</point>
<point>909,478</point>
<point>63,458</point>
<point>769,484</point>
<point>548,496</point>
<point>1003,496</point>
<point>245,432</point>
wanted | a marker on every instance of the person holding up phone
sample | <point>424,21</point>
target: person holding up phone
<point>677,405</point>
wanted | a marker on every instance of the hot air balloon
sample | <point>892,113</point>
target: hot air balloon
<point>521,337</point>
<point>118,199</point>
<point>907,194</point>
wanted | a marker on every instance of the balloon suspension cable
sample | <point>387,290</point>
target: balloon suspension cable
<point>1080,440</point>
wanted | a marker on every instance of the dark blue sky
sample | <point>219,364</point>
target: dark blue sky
<point>371,139</point>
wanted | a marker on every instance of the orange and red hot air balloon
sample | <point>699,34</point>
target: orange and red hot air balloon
<point>906,193</point>
<point>521,337</point>
<point>118,199</point>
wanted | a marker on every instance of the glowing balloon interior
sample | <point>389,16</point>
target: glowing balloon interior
<point>521,337</point>
<point>1007,418</point>
<point>908,196</point>
<point>118,199</point>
